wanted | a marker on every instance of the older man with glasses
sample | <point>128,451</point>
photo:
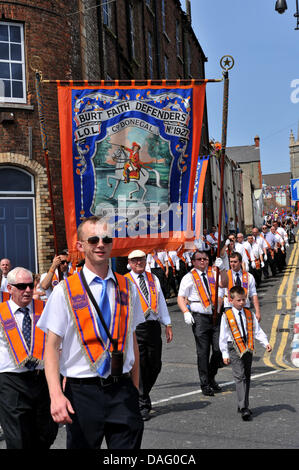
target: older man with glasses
<point>196,300</point>
<point>148,333</point>
<point>91,319</point>
<point>24,397</point>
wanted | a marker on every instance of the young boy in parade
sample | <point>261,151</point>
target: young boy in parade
<point>238,330</point>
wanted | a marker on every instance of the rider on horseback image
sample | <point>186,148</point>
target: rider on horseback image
<point>133,166</point>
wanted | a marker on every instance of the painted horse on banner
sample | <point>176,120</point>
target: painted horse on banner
<point>120,157</point>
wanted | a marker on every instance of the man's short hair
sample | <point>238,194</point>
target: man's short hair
<point>11,276</point>
<point>200,252</point>
<point>236,254</point>
<point>236,290</point>
<point>94,219</point>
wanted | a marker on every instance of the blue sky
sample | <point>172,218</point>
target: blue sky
<point>264,45</point>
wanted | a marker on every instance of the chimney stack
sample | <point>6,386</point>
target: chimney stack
<point>257,141</point>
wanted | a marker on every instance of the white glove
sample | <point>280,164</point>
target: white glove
<point>253,264</point>
<point>287,245</point>
<point>282,249</point>
<point>262,264</point>
<point>265,257</point>
<point>227,242</point>
<point>219,264</point>
<point>188,317</point>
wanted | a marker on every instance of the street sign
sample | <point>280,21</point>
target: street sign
<point>295,189</point>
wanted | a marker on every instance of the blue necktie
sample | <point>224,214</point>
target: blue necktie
<point>26,326</point>
<point>26,330</point>
<point>104,305</point>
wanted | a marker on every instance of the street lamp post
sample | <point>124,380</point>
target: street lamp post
<point>281,6</point>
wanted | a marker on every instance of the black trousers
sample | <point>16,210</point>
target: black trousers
<point>25,411</point>
<point>109,411</point>
<point>149,340</point>
<point>159,272</point>
<point>209,357</point>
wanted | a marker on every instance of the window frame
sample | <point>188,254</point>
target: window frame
<point>31,192</point>
<point>12,99</point>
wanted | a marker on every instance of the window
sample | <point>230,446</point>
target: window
<point>163,17</point>
<point>178,38</point>
<point>12,63</point>
<point>13,180</point>
<point>150,54</point>
<point>166,67</point>
<point>106,5</point>
<point>132,31</point>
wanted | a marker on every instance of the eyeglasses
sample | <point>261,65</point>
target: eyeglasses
<point>201,259</point>
<point>24,285</point>
<point>64,262</point>
<point>95,240</point>
<point>138,260</point>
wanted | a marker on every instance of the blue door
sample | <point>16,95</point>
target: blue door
<point>17,241</point>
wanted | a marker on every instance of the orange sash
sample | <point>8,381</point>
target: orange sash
<point>159,262</point>
<point>14,337</point>
<point>152,304</point>
<point>4,296</point>
<point>85,318</point>
<point>171,263</point>
<point>240,346</point>
<point>244,282</point>
<point>205,299</point>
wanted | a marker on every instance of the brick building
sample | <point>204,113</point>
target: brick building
<point>77,39</point>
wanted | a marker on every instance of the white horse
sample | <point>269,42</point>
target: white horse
<point>120,157</point>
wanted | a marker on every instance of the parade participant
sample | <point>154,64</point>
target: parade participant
<point>102,370</point>
<point>57,271</point>
<point>133,166</point>
<point>24,398</point>
<point>255,255</point>
<point>148,333</point>
<point>237,276</point>
<point>239,247</point>
<point>173,267</point>
<point>196,299</point>
<point>157,263</point>
<point>5,267</point>
<point>212,238</point>
<point>271,243</point>
<point>202,244</point>
<point>260,240</point>
<point>283,243</point>
<point>182,268</point>
<point>239,327</point>
<point>278,250</point>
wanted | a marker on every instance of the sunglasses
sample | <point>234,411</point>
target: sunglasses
<point>23,286</point>
<point>201,259</point>
<point>95,240</point>
<point>64,262</point>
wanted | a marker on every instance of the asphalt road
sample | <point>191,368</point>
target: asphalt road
<point>184,419</point>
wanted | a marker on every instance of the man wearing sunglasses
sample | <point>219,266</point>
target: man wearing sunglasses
<point>58,271</point>
<point>97,401</point>
<point>24,397</point>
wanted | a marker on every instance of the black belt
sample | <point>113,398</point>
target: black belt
<point>98,380</point>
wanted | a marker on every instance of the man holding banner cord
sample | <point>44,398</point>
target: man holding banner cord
<point>91,319</point>
<point>148,333</point>
<point>197,294</point>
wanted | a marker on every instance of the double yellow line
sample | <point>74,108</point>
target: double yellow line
<point>288,280</point>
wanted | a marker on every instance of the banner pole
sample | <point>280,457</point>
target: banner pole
<point>46,152</point>
<point>227,62</point>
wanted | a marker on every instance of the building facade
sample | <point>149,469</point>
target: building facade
<point>74,40</point>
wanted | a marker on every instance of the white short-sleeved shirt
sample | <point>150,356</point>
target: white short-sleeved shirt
<point>225,334</point>
<point>188,290</point>
<point>223,291</point>
<point>57,318</point>
<point>7,363</point>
